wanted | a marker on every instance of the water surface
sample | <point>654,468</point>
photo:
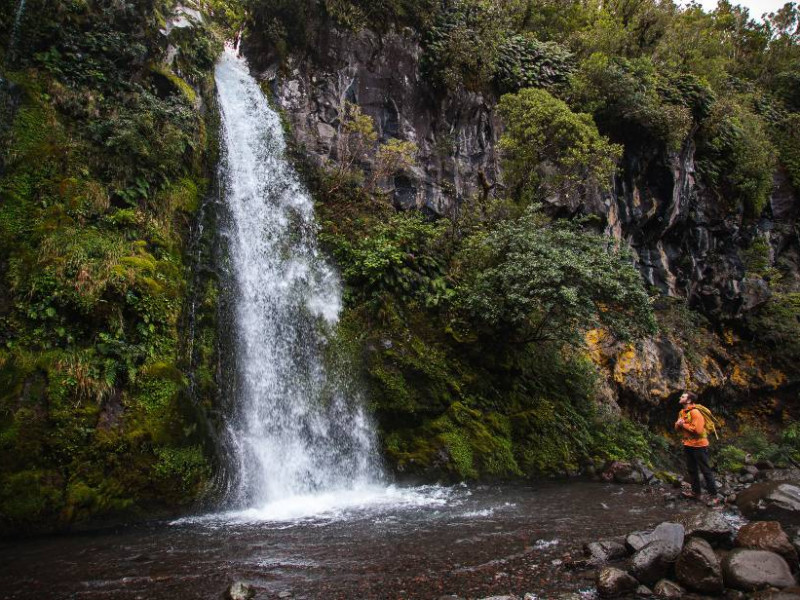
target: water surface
<point>421,543</point>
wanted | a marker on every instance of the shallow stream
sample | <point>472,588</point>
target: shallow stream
<point>410,543</point>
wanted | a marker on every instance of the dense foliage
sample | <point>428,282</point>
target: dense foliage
<point>473,325</point>
<point>105,164</point>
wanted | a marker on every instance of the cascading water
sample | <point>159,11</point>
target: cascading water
<point>12,43</point>
<point>298,432</point>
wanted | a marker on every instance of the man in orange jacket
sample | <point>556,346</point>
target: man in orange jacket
<point>695,445</point>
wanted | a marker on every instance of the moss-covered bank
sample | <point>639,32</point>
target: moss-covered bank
<point>107,157</point>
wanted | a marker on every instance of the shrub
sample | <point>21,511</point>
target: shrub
<point>524,61</point>
<point>535,281</point>
<point>549,150</point>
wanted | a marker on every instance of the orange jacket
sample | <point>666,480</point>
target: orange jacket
<point>693,428</point>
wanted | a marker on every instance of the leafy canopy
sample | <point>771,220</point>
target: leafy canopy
<point>548,149</point>
<point>533,280</point>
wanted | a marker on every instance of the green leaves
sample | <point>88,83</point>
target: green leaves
<point>550,150</point>
<point>532,281</point>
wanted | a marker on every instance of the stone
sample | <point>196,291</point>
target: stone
<point>672,532</point>
<point>772,501</point>
<point>600,553</point>
<point>643,591</point>
<point>782,475</point>
<point>624,472</point>
<point>654,561</point>
<point>768,535</point>
<point>752,570</point>
<point>709,525</point>
<point>240,591</point>
<point>668,589</point>
<point>787,594</point>
<point>612,582</point>
<point>698,568</point>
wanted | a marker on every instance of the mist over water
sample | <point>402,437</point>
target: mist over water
<point>301,440</point>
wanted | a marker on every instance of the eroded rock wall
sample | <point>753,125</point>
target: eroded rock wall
<point>690,244</point>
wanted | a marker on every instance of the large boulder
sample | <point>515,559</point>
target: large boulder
<point>709,525</point>
<point>790,475</point>
<point>698,568</point>
<point>654,561</point>
<point>668,589</point>
<point>612,582</point>
<point>768,535</point>
<point>624,472</point>
<point>599,553</point>
<point>752,570</point>
<point>670,532</point>
<point>772,501</point>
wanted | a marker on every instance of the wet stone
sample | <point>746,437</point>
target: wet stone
<point>612,582</point>
<point>698,568</point>
<point>654,561</point>
<point>772,501</point>
<point>604,551</point>
<point>671,532</point>
<point>668,589</point>
<point>770,536</point>
<point>240,591</point>
<point>752,570</point>
<point>709,525</point>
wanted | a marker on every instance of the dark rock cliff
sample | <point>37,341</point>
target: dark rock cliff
<point>690,245</point>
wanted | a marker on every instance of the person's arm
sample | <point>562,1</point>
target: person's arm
<point>698,424</point>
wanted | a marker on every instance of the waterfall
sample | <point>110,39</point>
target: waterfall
<point>12,42</point>
<point>299,430</point>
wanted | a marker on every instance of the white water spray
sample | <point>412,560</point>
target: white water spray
<point>12,43</point>
<point>298,433</point>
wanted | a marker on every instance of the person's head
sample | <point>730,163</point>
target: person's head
<point>687,398</point>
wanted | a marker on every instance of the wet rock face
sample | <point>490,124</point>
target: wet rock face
<point>688,242</point>
<point>751,570</point>
<point>456,134</point>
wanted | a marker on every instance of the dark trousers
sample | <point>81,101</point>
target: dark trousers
<point>697,460</point>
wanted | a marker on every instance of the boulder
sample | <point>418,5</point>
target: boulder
<point>624,472</point>
<point>599,553</point>
<point>612,582</point>
<point>782,475</point>
<point>698,568</point>
<point>654,561</point>
<point>709,525</point>
<point>240,591</point>
<point>752,570</point>
<point>787,594</point>
<point>768,535</point>
<point>772,501</point>
<point>668,589</point>
<point>671,532</point>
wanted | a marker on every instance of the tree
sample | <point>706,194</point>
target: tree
<point>548,149</point>
<point>533,280</point>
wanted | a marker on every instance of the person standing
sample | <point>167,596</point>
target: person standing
<point>692,424</point>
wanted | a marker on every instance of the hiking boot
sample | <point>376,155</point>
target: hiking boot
<point>691,495</point>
